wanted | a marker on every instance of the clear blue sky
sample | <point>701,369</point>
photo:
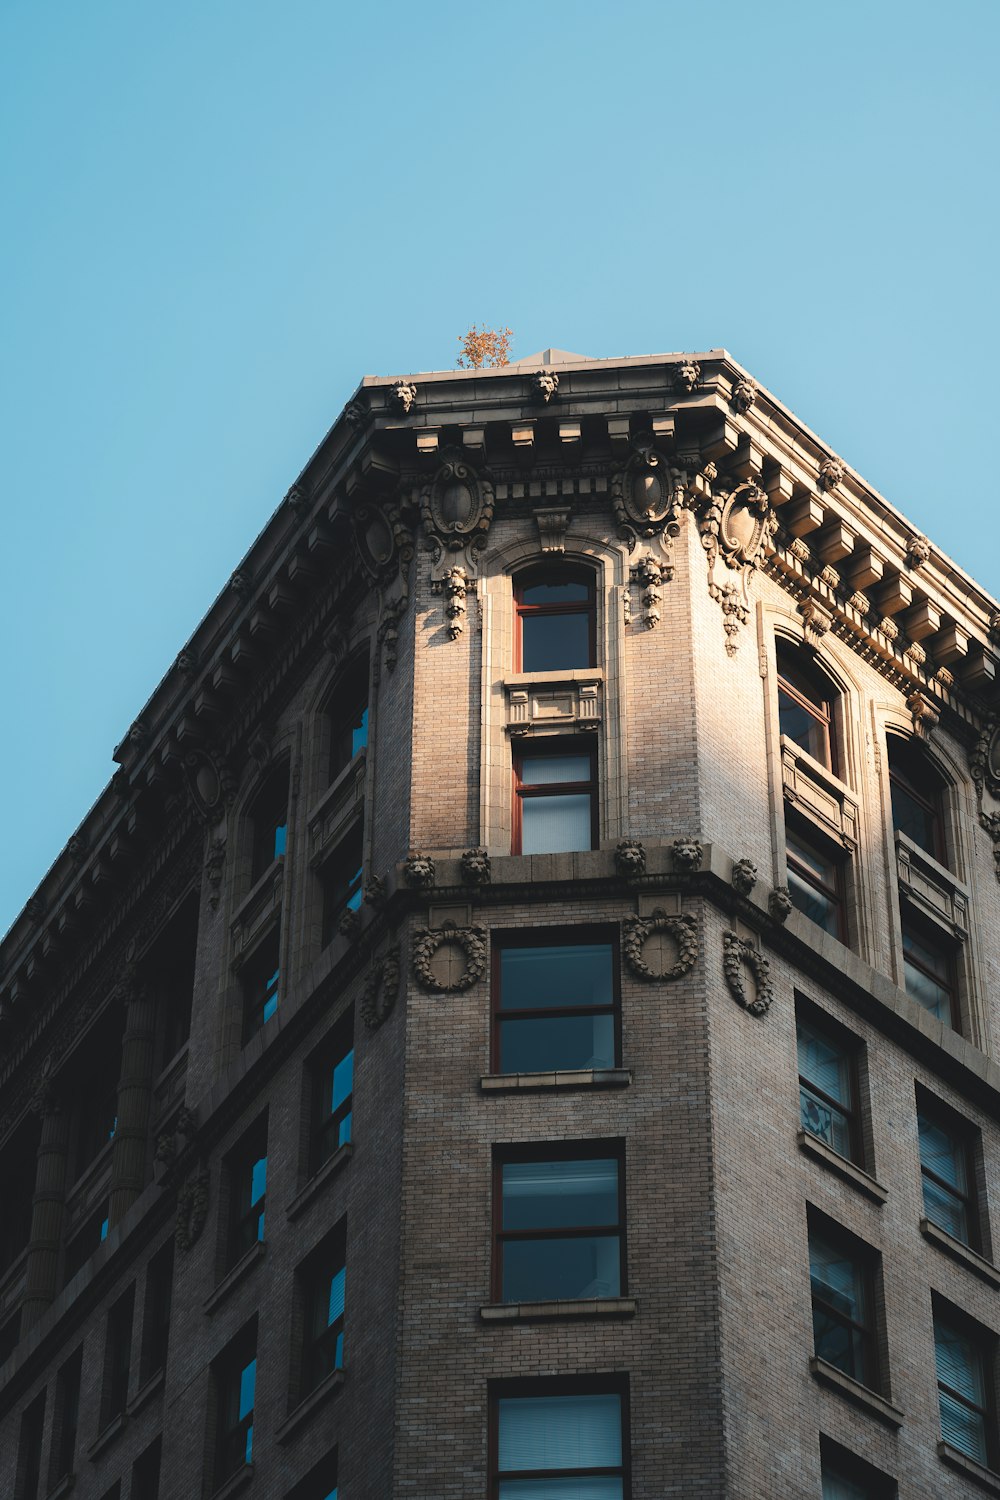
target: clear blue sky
<point>219,216</point>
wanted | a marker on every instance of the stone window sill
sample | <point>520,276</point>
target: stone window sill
<point>524,1312</point>
<point>64,1486</point>
<point>848,1170</point>
<point>955,1248</point>
<point>107,1436</point>
<point>146,1392</point>
<point>318,1181</point>
<point>871,1401</point>
<point>327,1387</point>
<point>569,1078</point>
<point>988,1478</point>
<point>234,1483</point>
<point>232,1279</point>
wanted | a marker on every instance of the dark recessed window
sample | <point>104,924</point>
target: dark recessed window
<point>170,972</point>
<point>843,1305</point>
<point>94,1089</point>
<point>235,1376</point>
<point>92,1233</point>
<point>847,1477</point>
<point>17,1189</point>
<point>259,978</point>
<point>146,1473</point>
<point>67,1415</point>
<point>156,1315</point>
<point>348,718</point>
<point>815,882</point>
<point>323,1279</point>
<point>555,620</point>
<point>555,1003</point>
<point>805,706</point>
<point>332,1096</point>
<point>342,878</point>
<point>946,1173</point>
<point>269,819</point>
<point>929,972</point>
<point>963,1355</point>
<point>247,1171</point>
<point>117,1358</point>
<point>828,1090</point>
<point>547,1442</point>
<point>320,1483</point>
<point>29,1449</point>
<point>559,1218</point>
<point>555,798</point>
<point>917,794</point>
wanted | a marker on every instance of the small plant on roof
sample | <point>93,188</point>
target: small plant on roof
<point>484,346</point>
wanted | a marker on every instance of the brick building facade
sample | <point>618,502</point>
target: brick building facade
<point>523,1019</point>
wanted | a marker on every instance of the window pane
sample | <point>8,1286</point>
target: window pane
<point>570,974</point>
<point>559,1194</point>
<point>836,1487</point>
<point>836,1278</point>
<point>802,727</point>
<point>814,904</point>
<point>555,593</point>
<point>964,1429</point>
<point>959,1363</point>
<point>547,1270</point>
<point>926,988</point>
<point>556,825</point>
<point>824,1064</point>
<point>550,770</point>
<point>343,1081</point>
<point>560,1432</point>
<point>555,1042</point>
<point>553,643</point>
<point>825,1121</point>
<point>945,1210</point>
<point>912,818</point>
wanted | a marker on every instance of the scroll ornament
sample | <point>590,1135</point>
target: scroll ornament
<point>738,952</point>
<point>682,929</point>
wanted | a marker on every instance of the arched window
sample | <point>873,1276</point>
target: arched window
<point>556,619</point>
<point>348,714</point>
<point>805,706</point>
<point>269,817</point>
<point>917,792</point>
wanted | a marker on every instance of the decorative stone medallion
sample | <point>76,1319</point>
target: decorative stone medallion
<point>735,527</point>
<point>647,493</point>
<point>449,959</point>
<point>380,990</point>
<point>738,955</point>
<point>456,508</point>
<point>660,947</point>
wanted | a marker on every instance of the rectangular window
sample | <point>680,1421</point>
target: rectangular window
<point>320,1483</point>
<point>349,718</point>
<point>67,1414</point>
<point>342,878</point>
<point>332,1096</point>
<point>547,1442</point>
<point>555,620</point>
<point>146,1473</point>
<point>843,1311</point>
<point>247,1171</point>
<point>929,973</point>
<point>29,1449</point>
<point>322,1279</point>
<point>235,1374</point>
<point>156,1315</point>
<point>805,706</point>
<point>117,1358</point>
<point>847,1477</point>
<point>556,1003</point>
<point>85,1241</point>
<point>828,1089</point>
<point>947,1177</point>
<point>559,1218</point>
<point>555,798</point>
<point>270,822</point>
<point>814,883</point>
<point>259,978</point>
<point>963,1358</point>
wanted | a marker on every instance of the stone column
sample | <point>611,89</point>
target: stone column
<point>42,1270</point>
<point>135,1095</point>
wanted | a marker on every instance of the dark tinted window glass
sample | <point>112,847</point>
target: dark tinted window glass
<point>556,1007</point>
<point>552,643</point>
<point>560,1230</point>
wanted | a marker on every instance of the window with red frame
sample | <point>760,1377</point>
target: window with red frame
<point>555,797</point>
<point>556,620</point>
<point>555,1000</point>
<point>566,1437</point>
<point>805,706</point>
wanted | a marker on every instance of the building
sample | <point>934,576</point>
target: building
<point>523,1021</point>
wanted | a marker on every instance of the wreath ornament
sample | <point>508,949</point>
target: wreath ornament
<point>380,990</point>
<point>472,941</point>
<point>682,929</point>
<point>738,951</point>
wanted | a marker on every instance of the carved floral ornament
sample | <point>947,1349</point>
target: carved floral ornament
<point>386,550</point>
<point>380,990</point>
<point>738,953</point>
<point>449,959</point>
<point>735,527</point>
<point>641,934</point>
